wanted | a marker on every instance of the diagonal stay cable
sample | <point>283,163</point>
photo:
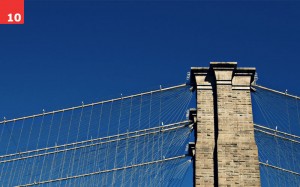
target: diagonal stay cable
<point>90,140</point>
<point>103,171</point>
<point>277,131</point>
<point>279,168</point>
<point>152,131</point>
<point>271,134</point>
<point>275,91</point>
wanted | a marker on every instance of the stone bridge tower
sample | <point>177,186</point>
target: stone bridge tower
<point>226,152</point>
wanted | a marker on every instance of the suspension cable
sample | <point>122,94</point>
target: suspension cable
<point>91,104</point>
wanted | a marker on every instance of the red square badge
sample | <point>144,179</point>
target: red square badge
<point>11,11</point>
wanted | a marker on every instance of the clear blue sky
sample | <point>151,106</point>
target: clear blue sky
<point>73,51</point>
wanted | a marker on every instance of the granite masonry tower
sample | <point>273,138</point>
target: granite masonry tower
<point>225,152</point>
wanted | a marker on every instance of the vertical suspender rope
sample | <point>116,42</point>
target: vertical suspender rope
<point>37,146</point>
<point>104,180</point>
<point>79,164</point>
<point>57,139</point>
<point>98,151</point>
<point>18,167</point>
<point>89,150</point>
<point>50,130</point>
<point>117,146</point>
<point>298,120</point>
<point>126,148</point>
<point>293,164</point>
<point>82,165</point>
<point>8,145</point>
<point>63,163</point>
<point>72,163</point>
<point>26,149</point>
<point>2,132</point>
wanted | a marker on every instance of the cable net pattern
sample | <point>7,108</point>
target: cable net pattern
<point>138,140</point>
<point>277,134</point>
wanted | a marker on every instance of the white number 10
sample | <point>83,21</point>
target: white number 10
<point>16,17</point>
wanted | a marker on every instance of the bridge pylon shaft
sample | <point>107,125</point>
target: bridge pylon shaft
<point>226,153</point>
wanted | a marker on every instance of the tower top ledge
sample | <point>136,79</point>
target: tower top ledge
<point>223,66</point>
